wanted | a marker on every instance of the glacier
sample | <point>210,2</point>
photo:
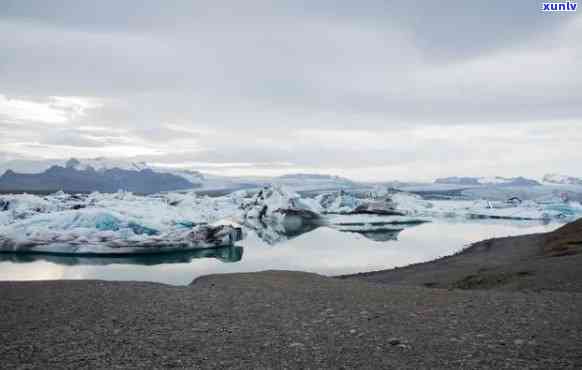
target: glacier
<point>125,223</point>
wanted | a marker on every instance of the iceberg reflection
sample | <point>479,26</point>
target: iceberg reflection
<point>288,227</point>
<point>377,235</point>
<point>224,254</point>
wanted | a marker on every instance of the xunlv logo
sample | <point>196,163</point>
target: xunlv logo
<point>560,7</point>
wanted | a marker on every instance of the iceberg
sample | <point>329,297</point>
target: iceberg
<point>275,202</point>
<point>125,223</point>
<point>98,231</point>
<point>554,178</point>
<point>343,202</point>
<point>481,209</point>
<point>20,206</point>
<point>413,207</point>
<point>276,214</point>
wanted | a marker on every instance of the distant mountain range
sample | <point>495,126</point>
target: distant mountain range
<point>562,179</point>
<point>488,181</point>
<point>109,175</point>
<point>98,164</point>
<point>313,181</point>
<point>74,178</point>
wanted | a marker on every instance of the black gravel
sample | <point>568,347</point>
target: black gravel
<point>502,303</point>
<point>284,320</point>
<point>514,264</point>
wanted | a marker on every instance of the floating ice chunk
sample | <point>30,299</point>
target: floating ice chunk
<point>411,204</point>
<point>98,223</point>
<point>343,202</point>
<point>276,214</point>
<point>20,206</point>
<point>165,210</point>
<point>339,202</point>
<point>276,201</point>
<point>511,209</point>
<point>95,231</point>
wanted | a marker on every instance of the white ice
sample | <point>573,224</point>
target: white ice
<point>126,223</point>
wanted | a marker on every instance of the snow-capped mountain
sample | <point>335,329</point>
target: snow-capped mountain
<point>488,181</point>
<point>458,180</point>
<point>98,164</point>
<point>75,178</point>
<point>101,164</point>
<point>298,182</point>
<point>562,179</point>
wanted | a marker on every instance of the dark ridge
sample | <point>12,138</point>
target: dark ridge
<point>72,180</point>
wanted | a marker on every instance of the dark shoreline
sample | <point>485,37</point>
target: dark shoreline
<point>510,303</point>
<point>544,261</point>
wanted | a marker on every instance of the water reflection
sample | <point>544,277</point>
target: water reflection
<point>377,230</point>
<point>290,227</point>
<point>323,250</point>
<point>224,254</point>
<point>377,235</point>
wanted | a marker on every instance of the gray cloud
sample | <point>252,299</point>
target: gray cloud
<point>239,81</point>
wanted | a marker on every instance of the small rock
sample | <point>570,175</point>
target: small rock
<point>394,341</point>
<point>518,342</point>
<point>353,331</point>
<point>296,344</point>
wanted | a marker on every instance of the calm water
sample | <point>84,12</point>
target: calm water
<point>323,250</point>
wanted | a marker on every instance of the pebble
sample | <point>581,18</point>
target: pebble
<point>394,341</point>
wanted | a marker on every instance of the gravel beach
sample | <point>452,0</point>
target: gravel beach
<point>537,262</point>
<point>279,319</point>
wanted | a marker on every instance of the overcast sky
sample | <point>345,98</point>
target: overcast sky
<point>373,90</point>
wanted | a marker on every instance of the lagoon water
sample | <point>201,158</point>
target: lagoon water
<point>325,251</point>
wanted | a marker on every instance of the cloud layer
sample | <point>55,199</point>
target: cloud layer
<point>377,90</point>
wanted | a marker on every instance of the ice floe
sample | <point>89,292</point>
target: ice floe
<point>98,231</point>
<point>124,223</point>
<point>412,207</point>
